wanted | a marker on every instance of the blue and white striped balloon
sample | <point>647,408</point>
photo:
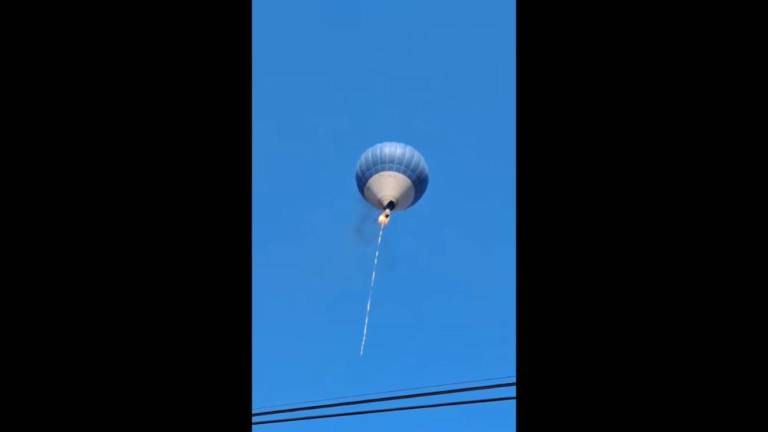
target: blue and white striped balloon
<point>392,175</point>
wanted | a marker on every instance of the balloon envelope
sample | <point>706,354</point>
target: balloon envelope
<point>393,175</point>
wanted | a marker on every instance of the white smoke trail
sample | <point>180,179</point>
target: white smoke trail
<point>370,291</point>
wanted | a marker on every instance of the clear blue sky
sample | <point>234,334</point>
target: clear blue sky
<point>332,78</point>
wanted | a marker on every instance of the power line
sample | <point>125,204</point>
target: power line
<point>389,391</point>
<point>388,398</point>
<point>376,411</point>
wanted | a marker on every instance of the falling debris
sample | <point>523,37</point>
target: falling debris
<point>373,279</point>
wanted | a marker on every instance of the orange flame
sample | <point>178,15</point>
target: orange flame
<point>384,217</point>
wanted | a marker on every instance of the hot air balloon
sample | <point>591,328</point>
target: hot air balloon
<point>391,176</point>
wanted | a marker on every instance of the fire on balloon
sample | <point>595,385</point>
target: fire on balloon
<point>384,217</point>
